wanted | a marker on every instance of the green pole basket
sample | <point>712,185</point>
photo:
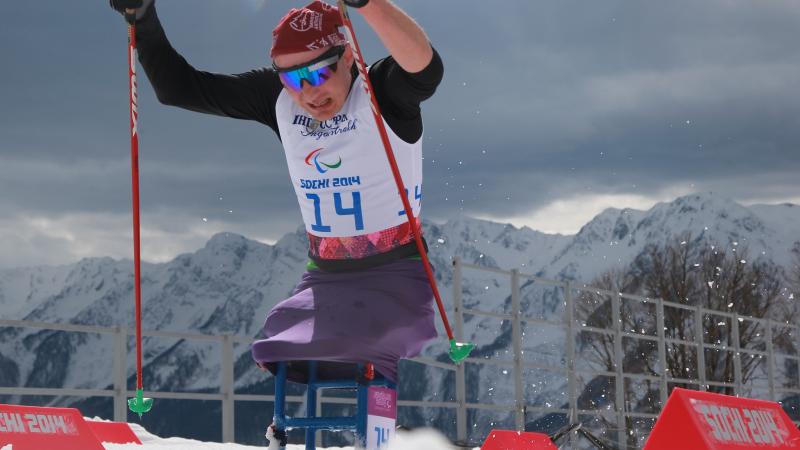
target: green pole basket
<point>139,404</point>
<point>459,351</point>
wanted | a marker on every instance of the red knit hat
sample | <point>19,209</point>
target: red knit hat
<point>311,28</point>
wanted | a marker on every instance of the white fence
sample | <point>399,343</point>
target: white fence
<point>120,393</point>
<point>569,323</point>
<point>573,328</point>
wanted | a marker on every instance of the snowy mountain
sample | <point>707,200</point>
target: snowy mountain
<point>615,237</point>
<point>229,285</point>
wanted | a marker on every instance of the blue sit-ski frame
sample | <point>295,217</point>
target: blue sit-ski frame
<point>312,423</point>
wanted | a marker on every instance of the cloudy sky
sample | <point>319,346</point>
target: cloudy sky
<point>550,112</point>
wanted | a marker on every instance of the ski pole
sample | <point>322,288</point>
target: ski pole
<point>458,351</point>
<point>138,404</point>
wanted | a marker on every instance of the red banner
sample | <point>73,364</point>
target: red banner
<point>113,432</point>
<point>517,440</point>
<point>706,421</point>
<point>34,428</point>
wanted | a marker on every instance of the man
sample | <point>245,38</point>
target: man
<point>365,296</point>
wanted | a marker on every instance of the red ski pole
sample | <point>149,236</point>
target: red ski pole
<point>138,404</point>
<point>458,351</point>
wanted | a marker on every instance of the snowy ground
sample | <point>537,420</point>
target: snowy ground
<point>416,440</point>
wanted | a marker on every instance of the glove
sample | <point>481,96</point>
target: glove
<point>140,6</point>
<point>355,3</point>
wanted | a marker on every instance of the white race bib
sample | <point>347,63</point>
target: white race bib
<point>340,171</point>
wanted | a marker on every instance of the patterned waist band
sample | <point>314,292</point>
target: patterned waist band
<point>363,246</point>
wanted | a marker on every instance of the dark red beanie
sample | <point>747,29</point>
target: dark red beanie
<point>311,28</point>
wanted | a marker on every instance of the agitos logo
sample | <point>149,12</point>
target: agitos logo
<point>321,166</point>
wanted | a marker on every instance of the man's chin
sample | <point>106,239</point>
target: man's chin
<point>322,114</point>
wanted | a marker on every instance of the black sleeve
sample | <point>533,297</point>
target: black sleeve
<point>399,93</point>
<point>251,95</point>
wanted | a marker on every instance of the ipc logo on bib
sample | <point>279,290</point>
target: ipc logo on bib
<point>313,159</point>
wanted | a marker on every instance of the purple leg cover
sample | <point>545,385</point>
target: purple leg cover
<point>378,315</point>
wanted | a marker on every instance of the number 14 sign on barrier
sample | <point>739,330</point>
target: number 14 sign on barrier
<point>381,417</point>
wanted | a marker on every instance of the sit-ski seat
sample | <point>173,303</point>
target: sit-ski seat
<point>376,402</point>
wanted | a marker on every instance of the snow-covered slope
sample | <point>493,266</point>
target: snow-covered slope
<point>22,290</point>
<point>229,285</point>
<point>615,237</point>
<point>427,439</point>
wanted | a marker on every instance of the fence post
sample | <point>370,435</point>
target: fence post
<point>461,385</point>
<point>619,385</point>
<point>228,418</point>
<point>701,350</point>
<point>737,356</point>
<point>662,351</point>
<point>120,369</point>
<point>571,338</point>
<point>516,331</point>
<point>770,361</point>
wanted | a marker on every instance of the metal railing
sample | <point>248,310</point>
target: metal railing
<point>573,330</point>
<point>226,394</point>
<point>518,364</point>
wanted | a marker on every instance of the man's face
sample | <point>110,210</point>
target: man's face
<point>324,101</point>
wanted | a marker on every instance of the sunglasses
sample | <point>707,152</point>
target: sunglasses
<point>315,72</point>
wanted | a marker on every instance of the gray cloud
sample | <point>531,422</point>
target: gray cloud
<point>541,101</point>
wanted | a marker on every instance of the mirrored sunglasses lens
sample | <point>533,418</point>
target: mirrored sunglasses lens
<point>291,79</point>
<point>294,79</point>
<point>320,76</point>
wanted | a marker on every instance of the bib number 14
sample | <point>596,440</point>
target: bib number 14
<point>341,210</point>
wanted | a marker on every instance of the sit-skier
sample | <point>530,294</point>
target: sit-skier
<point>365,297</point>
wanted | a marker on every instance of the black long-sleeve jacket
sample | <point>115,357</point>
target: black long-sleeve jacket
<point>253,95</point>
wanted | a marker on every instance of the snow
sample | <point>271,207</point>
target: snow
<point>418,439</point>
<point>24,289</point>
